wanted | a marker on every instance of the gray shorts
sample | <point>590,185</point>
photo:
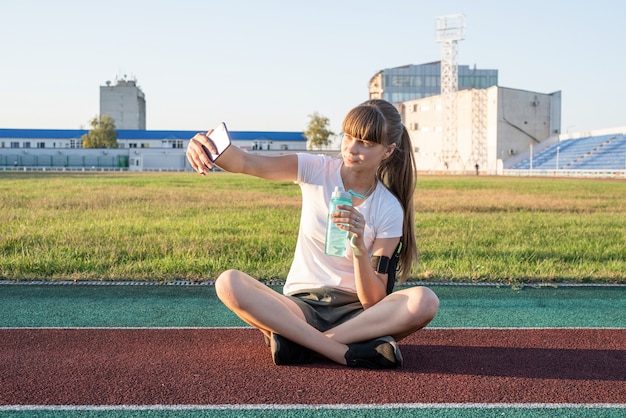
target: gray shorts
<point>326,307</point>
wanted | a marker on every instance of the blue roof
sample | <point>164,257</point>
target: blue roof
<point>147,135</point>
<point>42,133</point>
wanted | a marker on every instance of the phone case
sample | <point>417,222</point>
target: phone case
<point>221,139</point>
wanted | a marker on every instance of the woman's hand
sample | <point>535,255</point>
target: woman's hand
<point>349,219</point>
<point>199,151</point>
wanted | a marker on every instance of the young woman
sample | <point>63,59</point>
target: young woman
<point>339,307</point>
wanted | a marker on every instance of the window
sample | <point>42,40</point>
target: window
<point>401,80</point>
<point>41,144</point>
<point>26,144</point>
<point>432,81</point>
<point>15,144</point>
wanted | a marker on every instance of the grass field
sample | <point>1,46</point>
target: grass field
<point>180,226</point>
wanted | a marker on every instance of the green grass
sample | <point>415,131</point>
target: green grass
<point>522,230</point>
<point>180,226</point>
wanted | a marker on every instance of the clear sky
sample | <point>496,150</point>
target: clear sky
<point>267,65</point>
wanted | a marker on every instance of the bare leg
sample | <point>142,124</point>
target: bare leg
<point>270,311</point>
<point>400,314</point>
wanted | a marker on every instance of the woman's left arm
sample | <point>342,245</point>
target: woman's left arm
<point>371,286</point>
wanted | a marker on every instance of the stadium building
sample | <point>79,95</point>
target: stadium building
<point>492,125</point>
<point>138,150</point>
<point>489,124</point>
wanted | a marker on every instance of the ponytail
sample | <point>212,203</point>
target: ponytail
<point>398,173</point>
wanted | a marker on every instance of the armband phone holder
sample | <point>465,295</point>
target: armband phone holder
<point>385,265</point>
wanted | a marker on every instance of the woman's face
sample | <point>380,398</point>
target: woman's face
<point>363,154</point>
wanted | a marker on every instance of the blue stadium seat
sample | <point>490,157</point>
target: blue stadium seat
<point>602,152</point>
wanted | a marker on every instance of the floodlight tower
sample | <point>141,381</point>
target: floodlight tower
<point>449,30</point>
<point>478,157</point>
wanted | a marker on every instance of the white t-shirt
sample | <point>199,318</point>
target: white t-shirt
<point>312,268</point>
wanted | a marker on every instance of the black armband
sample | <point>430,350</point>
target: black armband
<point>380,263</point>
<point>386,265</point>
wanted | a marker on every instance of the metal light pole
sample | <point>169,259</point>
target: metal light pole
<point>449,31</point>
<point>557,158</point>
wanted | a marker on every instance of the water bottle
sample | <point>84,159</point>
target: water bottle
<point>336,239</point>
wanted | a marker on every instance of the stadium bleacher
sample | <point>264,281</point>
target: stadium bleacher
<point>601,152</point>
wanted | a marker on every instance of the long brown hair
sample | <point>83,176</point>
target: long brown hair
<point>378,121</point>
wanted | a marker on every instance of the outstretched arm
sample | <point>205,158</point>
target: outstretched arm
<point>233,159</point>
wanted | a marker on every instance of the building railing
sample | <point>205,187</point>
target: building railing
<point>616,174</point>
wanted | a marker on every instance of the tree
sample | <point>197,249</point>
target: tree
<point>317,132</point>
<point>102,133</point>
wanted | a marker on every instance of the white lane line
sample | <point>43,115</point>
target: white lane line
<point>470,405</point>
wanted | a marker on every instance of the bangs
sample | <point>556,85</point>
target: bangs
<point>365,123</point>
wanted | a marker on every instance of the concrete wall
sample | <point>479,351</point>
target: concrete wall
<point>524,118</point>
<point>509,121</point>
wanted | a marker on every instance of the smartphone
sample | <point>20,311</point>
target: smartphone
<point>221,140</point>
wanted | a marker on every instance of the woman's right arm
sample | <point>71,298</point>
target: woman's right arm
<point>234,160</point>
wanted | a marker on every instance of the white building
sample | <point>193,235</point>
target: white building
<point>492,125</point>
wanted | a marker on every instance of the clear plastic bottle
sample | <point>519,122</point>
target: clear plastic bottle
<point>336,239</point>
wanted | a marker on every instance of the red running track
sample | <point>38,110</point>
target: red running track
<point>232,366</point>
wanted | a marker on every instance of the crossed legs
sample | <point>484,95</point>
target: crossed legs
<point>399,314</point>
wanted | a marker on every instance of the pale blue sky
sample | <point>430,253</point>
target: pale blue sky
<point>267,65</point>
